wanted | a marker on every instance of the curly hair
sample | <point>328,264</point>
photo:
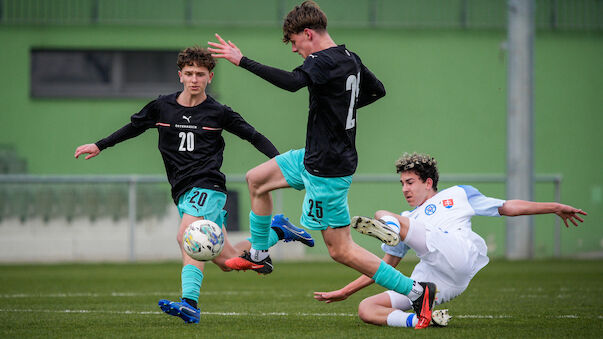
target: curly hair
<point>196,56</point>
<point>424,165</point>
<point>306,15</point>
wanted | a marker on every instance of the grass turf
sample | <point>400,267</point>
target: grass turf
<point>518,299</point>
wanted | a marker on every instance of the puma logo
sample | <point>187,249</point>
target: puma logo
<point>187,118</point>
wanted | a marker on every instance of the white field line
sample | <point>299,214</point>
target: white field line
<point>116,294</point>
<point>267,314</point>
<point>234,314</point>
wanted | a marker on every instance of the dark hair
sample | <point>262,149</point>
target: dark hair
<point>306,15</point>
<point>196,56</point>
<point>424,165</point>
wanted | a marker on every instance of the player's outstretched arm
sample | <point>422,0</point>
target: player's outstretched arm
<point>225,50</point>
<point>91,149</point>
<point>353,287</point>
<point>522,207</point>
<point>289,81</point>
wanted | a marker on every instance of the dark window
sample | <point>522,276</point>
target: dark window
<point>101,73</point>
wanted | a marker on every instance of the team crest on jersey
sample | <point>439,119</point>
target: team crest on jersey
<point>430,209</point>
<point>448,203</point>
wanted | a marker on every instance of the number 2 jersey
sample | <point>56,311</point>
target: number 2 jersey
<point>190,140</point>
<point>338,84</point>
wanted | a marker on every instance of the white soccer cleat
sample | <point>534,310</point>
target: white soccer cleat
<point>440,318</point>
<point>376,228</point>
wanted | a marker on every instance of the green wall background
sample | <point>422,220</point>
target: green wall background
<point>446,96</point>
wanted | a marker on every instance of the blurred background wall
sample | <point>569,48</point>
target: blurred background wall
<point>75,71</point>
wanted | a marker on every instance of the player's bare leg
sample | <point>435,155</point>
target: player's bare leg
<point>375,309</point>
<point>378,310</point>
<point>230,251</point>
<point>345,251</point>
<point>186,259</point>
<point>381,228</point>
<point>261,180</point>
<point>192,275</point>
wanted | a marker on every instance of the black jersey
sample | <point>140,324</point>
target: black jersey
<point>335,75</point>
<point>190,140</point>
<point>338,83</point>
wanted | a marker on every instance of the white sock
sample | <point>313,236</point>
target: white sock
<point>258,255</point>
<point>402,319</point>
<point>415,291</point>
<point>391,222</point>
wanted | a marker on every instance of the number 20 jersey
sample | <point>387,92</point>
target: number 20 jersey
<point>190,140</point>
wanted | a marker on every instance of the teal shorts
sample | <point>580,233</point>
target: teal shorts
<point>202,202</point>
<point>326,200</point>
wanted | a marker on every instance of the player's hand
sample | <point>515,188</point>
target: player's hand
<point>226,50</point>
<point>329,297</point>
<point>90,149</point>
<point>570,213</point>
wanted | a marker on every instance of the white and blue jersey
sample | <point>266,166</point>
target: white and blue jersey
<point>456,253</point>
<point>449,210</point>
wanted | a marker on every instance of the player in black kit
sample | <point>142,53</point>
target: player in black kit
<point>338,84</point>
<point>190,124</point>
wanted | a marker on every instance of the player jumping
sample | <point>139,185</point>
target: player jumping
<point>338,83</point>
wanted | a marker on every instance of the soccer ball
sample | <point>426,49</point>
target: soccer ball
<point>203,240</point>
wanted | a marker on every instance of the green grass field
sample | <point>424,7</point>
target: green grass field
<point>507,299</point>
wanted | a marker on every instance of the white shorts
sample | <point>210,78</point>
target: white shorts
<point>453,258</point>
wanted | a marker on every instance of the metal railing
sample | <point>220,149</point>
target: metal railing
<point>134,180</point>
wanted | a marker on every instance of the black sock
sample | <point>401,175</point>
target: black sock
<point>190,302</point>
<point>279,232</point>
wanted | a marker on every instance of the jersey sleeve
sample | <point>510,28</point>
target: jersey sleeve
<point>147,117</point>
<point>139,122</point>
<point>397,251</point>
<point>371,89</point>
<point>481,204</point>
<point>235,124</point>
<point>289,81</point>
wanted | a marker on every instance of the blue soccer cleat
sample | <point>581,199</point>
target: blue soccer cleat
<point>181,309</point>
<point>290,232</point>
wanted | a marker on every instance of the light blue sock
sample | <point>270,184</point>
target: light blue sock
<point>392,279</point>
<point>272,238</point>
<point>192,277</point>
<point>259,226</point>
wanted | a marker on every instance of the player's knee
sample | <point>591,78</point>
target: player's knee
<point>335,253</point>
<point>365,312</point>
<point>179,237</point>
<point>339,254</point>
<point>254,182</point>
